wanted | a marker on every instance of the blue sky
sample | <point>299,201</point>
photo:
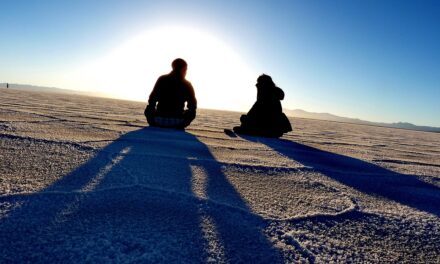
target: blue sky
<point>374,60</point>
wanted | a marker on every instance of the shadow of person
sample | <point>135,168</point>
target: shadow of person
<point>363,176</point>
<point>137,199</point>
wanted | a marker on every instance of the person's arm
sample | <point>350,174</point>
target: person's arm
<point>150,110</point>
<point>192,101</point>
<point>154,95</point>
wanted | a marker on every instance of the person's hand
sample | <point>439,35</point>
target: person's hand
<point>149,114</point>
<point>190,114</point>
<point>243,118</point>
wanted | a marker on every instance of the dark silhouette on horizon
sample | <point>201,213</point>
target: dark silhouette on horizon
<point>166,105</point>
<point>266,117</point>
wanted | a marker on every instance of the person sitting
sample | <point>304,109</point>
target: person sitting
<point>266,117</point>
<point>166,104</point>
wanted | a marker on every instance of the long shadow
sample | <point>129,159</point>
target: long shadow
<point>134,201</point>
<point>363,176</point>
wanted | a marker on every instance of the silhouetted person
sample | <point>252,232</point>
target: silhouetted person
<point>166,105</point>
<point>266,117</point>
<point>7,85</point>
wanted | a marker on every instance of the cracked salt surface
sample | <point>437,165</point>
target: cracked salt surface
<point>83,180</point>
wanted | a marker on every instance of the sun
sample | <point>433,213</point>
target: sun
<point>221,79</point>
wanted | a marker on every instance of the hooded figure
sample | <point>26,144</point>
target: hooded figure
<point>266,117</point>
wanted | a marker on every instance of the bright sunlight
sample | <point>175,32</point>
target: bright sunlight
<point>221,79</point>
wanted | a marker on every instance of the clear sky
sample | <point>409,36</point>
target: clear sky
<point>374,60</point>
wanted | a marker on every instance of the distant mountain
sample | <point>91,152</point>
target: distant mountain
<point>293,113</point>
<point>330,117</point>
<point>34,88</point>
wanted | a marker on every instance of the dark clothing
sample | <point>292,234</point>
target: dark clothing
<point>169,122</point>
<point>274,94</point>
<point>170,93</point>
<point>266,117</point>
<point>167,100</point>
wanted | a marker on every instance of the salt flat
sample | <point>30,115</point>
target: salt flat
<point>84,179</point>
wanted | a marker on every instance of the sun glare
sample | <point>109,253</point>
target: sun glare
<point>222,80</point>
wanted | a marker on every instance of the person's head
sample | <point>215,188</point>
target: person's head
<point>265,81</point>
<point>179,67</point>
